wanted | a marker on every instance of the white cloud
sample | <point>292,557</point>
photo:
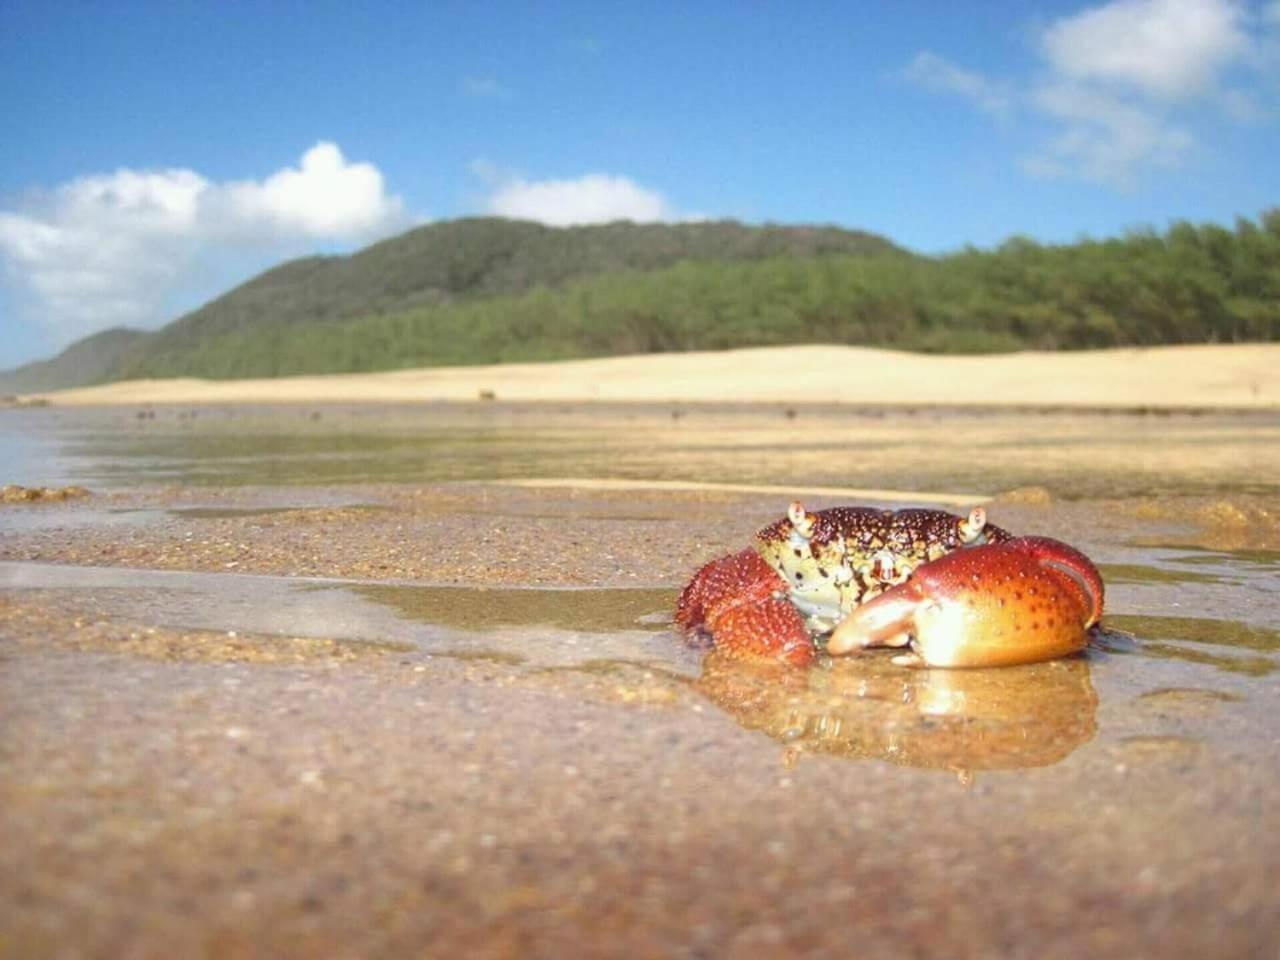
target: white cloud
<point>325,196</point>
<point>1165,48</point>
<point>1102,138</point>
<point>1119,84</point>
<point>116,248</point>
<point>594,198</point>
<point>932,72</point>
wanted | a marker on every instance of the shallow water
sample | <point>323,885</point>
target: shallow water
<point>220,759</point>
<point>868,708</point>
<point>530,626</point>
<point>1072,455</point>
<point>1200,613</point>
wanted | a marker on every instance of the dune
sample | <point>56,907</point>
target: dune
<point>1231,376</point>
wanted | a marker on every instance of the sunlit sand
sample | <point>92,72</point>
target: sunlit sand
<point>1235,376</point>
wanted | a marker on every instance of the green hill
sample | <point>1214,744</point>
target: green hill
<point>455,260</point>
<point>445,264</point>
<point>485,290</point>
<point>85,361</point>
<point>1189,285</point>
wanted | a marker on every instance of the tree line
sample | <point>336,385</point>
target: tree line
<point>1189,284</point>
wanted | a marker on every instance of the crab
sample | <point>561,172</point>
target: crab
<point>956,591</point>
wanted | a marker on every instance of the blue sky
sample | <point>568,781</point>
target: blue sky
<point>157,153</point>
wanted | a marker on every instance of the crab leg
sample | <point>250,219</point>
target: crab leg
<point>742,603</point>
<point>1024,600</point>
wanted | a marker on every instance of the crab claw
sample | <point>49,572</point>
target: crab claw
<point>741,602</point>
<point>1024,600</point>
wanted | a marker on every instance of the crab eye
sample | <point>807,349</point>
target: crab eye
<point>972,525</point>
<point>801,520</point>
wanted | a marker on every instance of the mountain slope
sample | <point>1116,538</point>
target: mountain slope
<point>479,257</point>
<point>431,266</point>
<point>86,361</point>
<point>486,290</point>
<point>1192,285</point>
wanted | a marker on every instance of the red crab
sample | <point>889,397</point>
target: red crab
<point>957,591</point>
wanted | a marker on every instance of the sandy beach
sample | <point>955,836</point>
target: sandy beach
<point>1235,376</point>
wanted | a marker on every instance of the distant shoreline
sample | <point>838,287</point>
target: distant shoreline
<point>1199,377</point>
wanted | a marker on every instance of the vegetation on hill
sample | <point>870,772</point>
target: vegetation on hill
<point>486,290</point>
<point>455,260</point>
<point>1191,284</point>
<point>86,361</point>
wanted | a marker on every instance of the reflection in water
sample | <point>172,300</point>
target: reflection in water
<point>1249,666</point>
<point>1266,559</point>
<point>1115,573</point>
<point>1194,639</point>
<point>1074,455</point>
<point>867,708</point>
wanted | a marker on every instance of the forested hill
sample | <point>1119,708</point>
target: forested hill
<point>457,260</point>
<point>431,266</point>
<point>484,291</point>
<point>86,361</point>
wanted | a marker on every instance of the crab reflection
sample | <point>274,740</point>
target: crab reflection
<point>868,708</point>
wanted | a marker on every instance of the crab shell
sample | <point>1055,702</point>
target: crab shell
<point>837,559</point>
<point>891,578</point>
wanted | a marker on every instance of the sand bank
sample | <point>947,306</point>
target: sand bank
<point>1235,376</point>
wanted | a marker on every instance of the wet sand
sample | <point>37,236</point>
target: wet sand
<point>383,718</point>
